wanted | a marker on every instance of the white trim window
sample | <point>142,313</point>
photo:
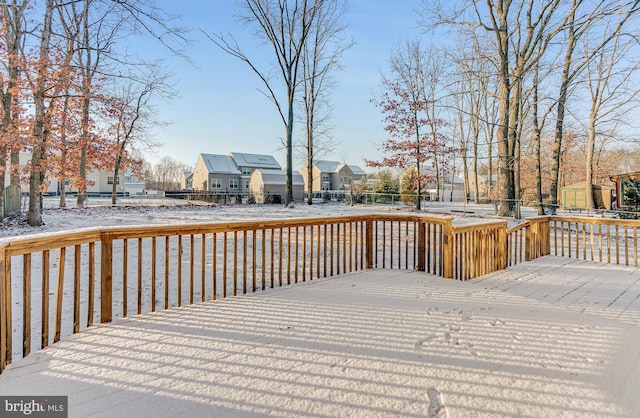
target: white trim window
<point>246,171</point>
<point>216,184</point>
<point>234,184</point>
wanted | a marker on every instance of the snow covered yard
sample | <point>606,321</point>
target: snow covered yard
<point>158,210</point>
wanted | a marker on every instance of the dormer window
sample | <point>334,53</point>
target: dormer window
<point>246,171</point>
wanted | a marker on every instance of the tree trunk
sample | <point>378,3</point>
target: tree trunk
<point>40,132</point>
<point>289,145</point>
<point>562,100</point>
<point>591,147</point>
<point>310,179</point>
<point>505,157</point>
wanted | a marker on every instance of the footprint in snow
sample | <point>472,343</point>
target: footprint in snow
<point>437,408</point>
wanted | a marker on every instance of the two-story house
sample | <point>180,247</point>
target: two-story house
<point>332,175</point>
<point>248,163</point>
<point>215,172</point>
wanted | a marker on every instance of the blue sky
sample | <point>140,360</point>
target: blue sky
<point>221,110</point>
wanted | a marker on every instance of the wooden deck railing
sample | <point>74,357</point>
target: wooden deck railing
<point>60,284</point>
<point>598,239</point>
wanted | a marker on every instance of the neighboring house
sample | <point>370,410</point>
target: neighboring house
<point>449,192</point>
<point>126,183</point>
<point>269,186</point>
<point>358,173</point>
<point>483,184</point>
<point>620,180</point>
<point>186,182</point>
<point>247,163</point>
<point>332,175</point>
<point>215,172</point>
<point>133,185</point>
<point>229,173</point>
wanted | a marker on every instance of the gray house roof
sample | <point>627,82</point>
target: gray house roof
<point>222,164</point>
<point>356,170</point>
<point>327,166</point>
<point>255,161</point>
<point>277,177</point>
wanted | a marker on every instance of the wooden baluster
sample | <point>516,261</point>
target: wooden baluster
<point>77,275</point>
<point>154,261</point>
<point>59,293</point>
<point>191,268</point>
<point>140,262</point>
<point>166,272</point>
<point>125,276</point>
<point>203,265</point>
<point>106,276</point>
<point>214,266</point>
<point>26,307</point>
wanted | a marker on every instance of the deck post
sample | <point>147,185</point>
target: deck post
<point>546,237</point>
<point>4,326</point>
<point>422,242</point>
<point>529,241</point>
<point>369,243</point>
<point>447,249</point>
<point>106,278</point>
<point>502,248</point>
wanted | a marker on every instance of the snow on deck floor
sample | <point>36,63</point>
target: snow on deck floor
<point>378,343</point>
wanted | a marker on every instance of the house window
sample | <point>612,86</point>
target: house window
<point>110,180</point>
<point>216,184</point>
<point>233,183</point>
<point>325,177</point>
<point>246,171</point>
<point>246,184</point>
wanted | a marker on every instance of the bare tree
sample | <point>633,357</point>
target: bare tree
<point>104,22</point>
<point>36,177</point>
<point>168,172</point>
<point>321,57</point>
<point>516,30</point>
<point>609,77</point>
<point>284,25</point>
<point>13,34</point>
<point>134,118</point>
<point>578,22</point>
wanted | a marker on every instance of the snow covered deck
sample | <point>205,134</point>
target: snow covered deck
<point>551,337</point>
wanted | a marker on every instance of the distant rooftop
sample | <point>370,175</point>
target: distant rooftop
<point>255,161</point>
<point>217,163</point>
<point>274,177</point>
<point>357,170</point>
<point>327,166</point>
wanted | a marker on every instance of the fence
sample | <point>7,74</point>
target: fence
<point>72,281</point>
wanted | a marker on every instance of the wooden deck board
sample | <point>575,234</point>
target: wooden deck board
<point>586,286</point>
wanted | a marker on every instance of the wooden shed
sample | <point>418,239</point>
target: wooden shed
<point>574,196</point>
